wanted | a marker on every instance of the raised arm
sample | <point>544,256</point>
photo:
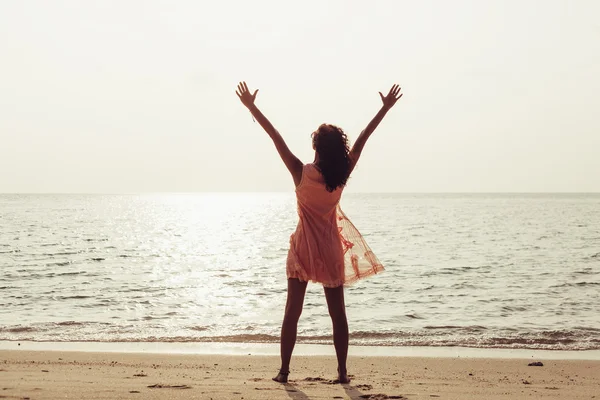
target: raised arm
<point>388,102</point>
<point>293,164</point>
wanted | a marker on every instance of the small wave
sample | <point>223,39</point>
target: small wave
<point>143,290</point>
<point>63,253</point>
<point>576,284</point>
<point>199,328</point>
<point>70,273</point>
<point>442,336</point>
<point>440,272</point>
<point>70,323</point>
<point>76,297</point>
<point>587,328</point>
<point>463,285</point>
<point>586,271</point>
<point>367,335</point>
<point>425,288</point>
<point>18,329</point>
<point>474,328</point>
<point>97,259</point>
<point>59,264</point>
<point>528,341</point>
<point>463,269</point>
<point>514,308</point>
<point>153,318</point>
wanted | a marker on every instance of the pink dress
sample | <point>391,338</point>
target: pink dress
<point>326,247</point>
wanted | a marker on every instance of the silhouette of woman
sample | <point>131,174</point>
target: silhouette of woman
<point>326,247</point>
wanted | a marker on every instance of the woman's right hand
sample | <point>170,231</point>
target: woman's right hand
<point>244,94</point>
<point>392,97</point>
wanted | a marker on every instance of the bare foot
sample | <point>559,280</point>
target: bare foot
<point>343,376</point>
<point>282,377</point>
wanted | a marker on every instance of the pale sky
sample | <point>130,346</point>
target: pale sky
<point>139,96</point>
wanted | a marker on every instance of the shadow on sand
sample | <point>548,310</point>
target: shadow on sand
<point>353,392</point>
<point>295,393</point>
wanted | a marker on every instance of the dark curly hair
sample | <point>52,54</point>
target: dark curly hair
<point>331,144</point>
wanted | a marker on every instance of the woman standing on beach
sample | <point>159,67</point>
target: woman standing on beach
<point>326,247</point>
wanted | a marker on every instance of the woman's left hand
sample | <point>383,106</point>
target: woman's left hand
<point>392,97</point>
<point>243,93</point>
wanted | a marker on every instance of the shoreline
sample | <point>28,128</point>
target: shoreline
<point>272,349</point>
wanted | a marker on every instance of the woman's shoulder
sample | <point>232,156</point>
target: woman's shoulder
<point>312,169</point>
<point>312,173</point>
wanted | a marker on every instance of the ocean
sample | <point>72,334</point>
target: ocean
<point>473,270</point>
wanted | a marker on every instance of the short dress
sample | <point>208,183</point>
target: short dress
<point>326,247</point>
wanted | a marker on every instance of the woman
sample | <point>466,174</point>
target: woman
<point>326,247</point>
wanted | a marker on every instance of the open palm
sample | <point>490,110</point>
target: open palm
<point>392,97</point>
<point>244,94</point>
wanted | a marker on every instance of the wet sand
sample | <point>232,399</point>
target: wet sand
<point>91,375</point>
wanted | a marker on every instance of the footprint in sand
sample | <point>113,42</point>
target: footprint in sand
<point>380,396</point>
<point>321,380</point>
<point>14,397</point>
<point>325,381</point>
<point>365,387</point>
<point>159,386</point>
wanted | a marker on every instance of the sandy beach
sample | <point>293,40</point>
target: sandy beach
<point>93,375</point>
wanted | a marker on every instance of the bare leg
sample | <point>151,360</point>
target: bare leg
<point>337,311</point>
<point>289,328</point>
